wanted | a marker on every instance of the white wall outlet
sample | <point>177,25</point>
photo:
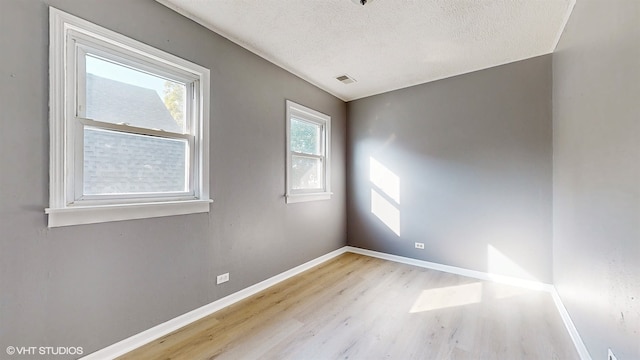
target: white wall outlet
<point>222,278</point>
<point>419,245</point>
<point>610,355</point>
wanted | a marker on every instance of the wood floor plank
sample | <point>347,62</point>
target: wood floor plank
<point>358,307</point>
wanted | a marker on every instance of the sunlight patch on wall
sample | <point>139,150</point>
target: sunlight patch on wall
<point>446,297</point>
<point>385,211</point>
<point>384,179</point>
<point>385,195</point>
<point>498,263</point>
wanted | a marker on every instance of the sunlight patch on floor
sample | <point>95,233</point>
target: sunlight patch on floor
<point>446,297</point>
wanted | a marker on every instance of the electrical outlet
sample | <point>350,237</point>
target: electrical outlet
<point>610,355</point>
<point>222,278</point>
<point>419,245</point>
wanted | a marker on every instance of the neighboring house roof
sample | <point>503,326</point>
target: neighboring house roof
<point>111,101</point>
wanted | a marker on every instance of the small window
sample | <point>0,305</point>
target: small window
<point>308,150</point>
<point>129,127</point>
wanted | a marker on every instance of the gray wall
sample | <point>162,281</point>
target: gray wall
<point>473,155</point>
<point>94,285</point>
<point>596,187</point>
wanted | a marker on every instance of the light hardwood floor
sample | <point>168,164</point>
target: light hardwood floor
<point>358,307</point>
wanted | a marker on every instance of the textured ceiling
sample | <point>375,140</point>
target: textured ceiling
<point>386,44</point>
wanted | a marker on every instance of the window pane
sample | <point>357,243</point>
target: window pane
<point>122,163</point>
<point>119,94</point>
<point>305,137</point>
<point>306,173</point>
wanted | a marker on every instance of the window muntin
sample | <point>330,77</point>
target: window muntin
<point>307,155</point>
<point>141,129</point>
<point>129,127</point>
<point>308,139</point>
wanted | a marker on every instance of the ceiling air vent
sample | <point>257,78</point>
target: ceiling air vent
<point>345,79</point>
<point>362,2</point>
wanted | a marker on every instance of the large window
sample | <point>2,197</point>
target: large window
<point>308,145</point>
<point>129,127</point>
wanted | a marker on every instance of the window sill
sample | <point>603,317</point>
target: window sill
<point>79,215</point>
<point>296,198</point>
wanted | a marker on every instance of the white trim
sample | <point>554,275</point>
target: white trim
<point>129,344</point>
<point>66,203</point>
<point>565,20</point>
<point>78,215</point>
<point>306,114</point>
<point>71,22</point>
<point>122,347</point>
<point>502,279</point>
<point>296,198</point>
<point>571,328</point>
<point>57,80</point>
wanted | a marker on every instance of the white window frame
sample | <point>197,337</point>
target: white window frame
<point>69,37</point>
<point>324,121</point>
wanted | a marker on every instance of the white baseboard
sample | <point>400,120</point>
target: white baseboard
<point>122,347</point>
<point>571,328</point>
<point>502,279</point>
<point>533,285</point>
